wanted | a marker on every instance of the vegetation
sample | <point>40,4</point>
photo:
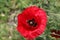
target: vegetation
<point>9,9</point>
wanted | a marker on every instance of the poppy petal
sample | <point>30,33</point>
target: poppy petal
<point>32,22</point>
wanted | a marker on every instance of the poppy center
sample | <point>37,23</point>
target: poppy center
<point>32,23</point>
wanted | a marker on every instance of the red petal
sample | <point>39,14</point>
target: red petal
<point>29,13</point>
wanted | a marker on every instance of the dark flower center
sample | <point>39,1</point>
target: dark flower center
<point>32,23</point>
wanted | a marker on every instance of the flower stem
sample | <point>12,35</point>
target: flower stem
<point>30,39</point>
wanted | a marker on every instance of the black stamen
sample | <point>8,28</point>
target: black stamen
<point>32,22</point>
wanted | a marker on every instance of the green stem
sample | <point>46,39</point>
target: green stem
<point>30,39</point>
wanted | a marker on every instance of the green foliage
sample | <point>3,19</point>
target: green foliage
<point>10,7</point>
<point>39,38</point>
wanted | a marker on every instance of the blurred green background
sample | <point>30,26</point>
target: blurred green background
<point>9,9</point>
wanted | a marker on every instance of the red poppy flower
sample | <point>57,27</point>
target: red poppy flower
<point>32,22</point>
<point>55,33</point>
